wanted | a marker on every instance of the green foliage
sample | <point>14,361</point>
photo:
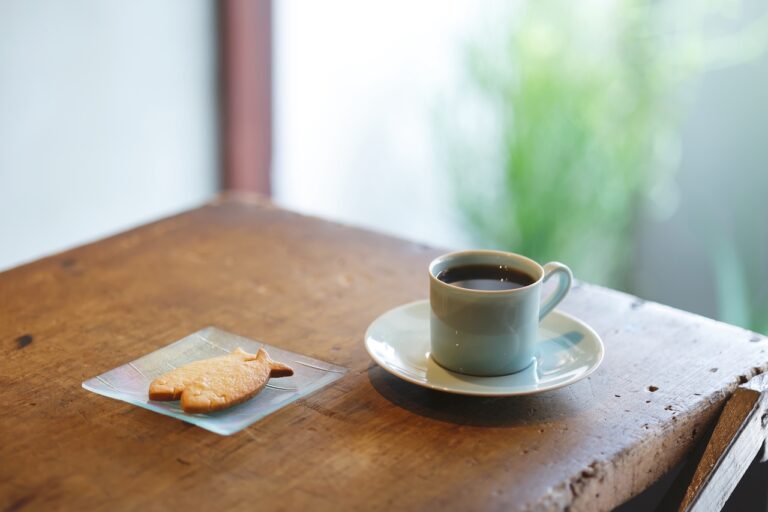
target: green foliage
<point>577,118</point>
<point>566,123</point>
<point>741,280</point>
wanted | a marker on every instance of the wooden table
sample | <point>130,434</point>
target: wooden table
<point>369,441</point>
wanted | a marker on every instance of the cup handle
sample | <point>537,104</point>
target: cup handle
<point>565,279</point>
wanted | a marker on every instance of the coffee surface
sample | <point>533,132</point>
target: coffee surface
<point>485,277</point>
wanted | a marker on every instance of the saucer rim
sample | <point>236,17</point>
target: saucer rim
<point>458,391</point>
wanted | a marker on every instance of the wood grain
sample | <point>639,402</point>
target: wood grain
<point>735,441</point>
<point>369,441</point>
<point>737,437</point>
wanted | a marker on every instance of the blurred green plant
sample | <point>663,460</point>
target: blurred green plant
<point>566,130</point>
<point>741,274</point>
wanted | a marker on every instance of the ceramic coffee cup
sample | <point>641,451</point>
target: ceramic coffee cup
<point>490,332</point>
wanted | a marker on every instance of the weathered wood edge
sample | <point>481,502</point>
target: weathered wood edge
<point>573,494</point>
<point>727,456</point>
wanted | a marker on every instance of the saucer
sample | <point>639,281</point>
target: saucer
<point>568,350</point>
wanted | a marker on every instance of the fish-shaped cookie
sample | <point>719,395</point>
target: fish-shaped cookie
<point>217,383</point>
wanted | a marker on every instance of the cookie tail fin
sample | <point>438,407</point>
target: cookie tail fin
<point>276,369</point>
<point>279,369</point>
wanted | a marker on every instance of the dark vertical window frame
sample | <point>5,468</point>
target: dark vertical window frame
<point>245,73</point>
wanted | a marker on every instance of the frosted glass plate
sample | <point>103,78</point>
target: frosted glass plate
<point>130,382</point>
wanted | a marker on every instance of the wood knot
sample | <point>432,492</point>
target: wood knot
<point>24,341</point>
<point>68,262</point>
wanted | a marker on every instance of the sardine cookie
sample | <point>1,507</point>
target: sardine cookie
<point>217,383</point>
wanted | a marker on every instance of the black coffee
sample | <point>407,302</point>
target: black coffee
<point>485,277</point>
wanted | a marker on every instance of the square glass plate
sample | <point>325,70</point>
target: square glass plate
<point>130,382</point>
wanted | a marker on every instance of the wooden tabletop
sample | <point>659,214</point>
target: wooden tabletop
<point>369,441</point>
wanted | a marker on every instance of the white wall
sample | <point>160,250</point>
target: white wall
<point>354,99</point>
<point>107,118</point>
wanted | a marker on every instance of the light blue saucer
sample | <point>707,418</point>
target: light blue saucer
<point>568,350</point>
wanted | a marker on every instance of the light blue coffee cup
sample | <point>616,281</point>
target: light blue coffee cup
<point>490,332</point>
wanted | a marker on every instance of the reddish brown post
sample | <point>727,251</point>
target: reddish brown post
<point>246,94</point>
